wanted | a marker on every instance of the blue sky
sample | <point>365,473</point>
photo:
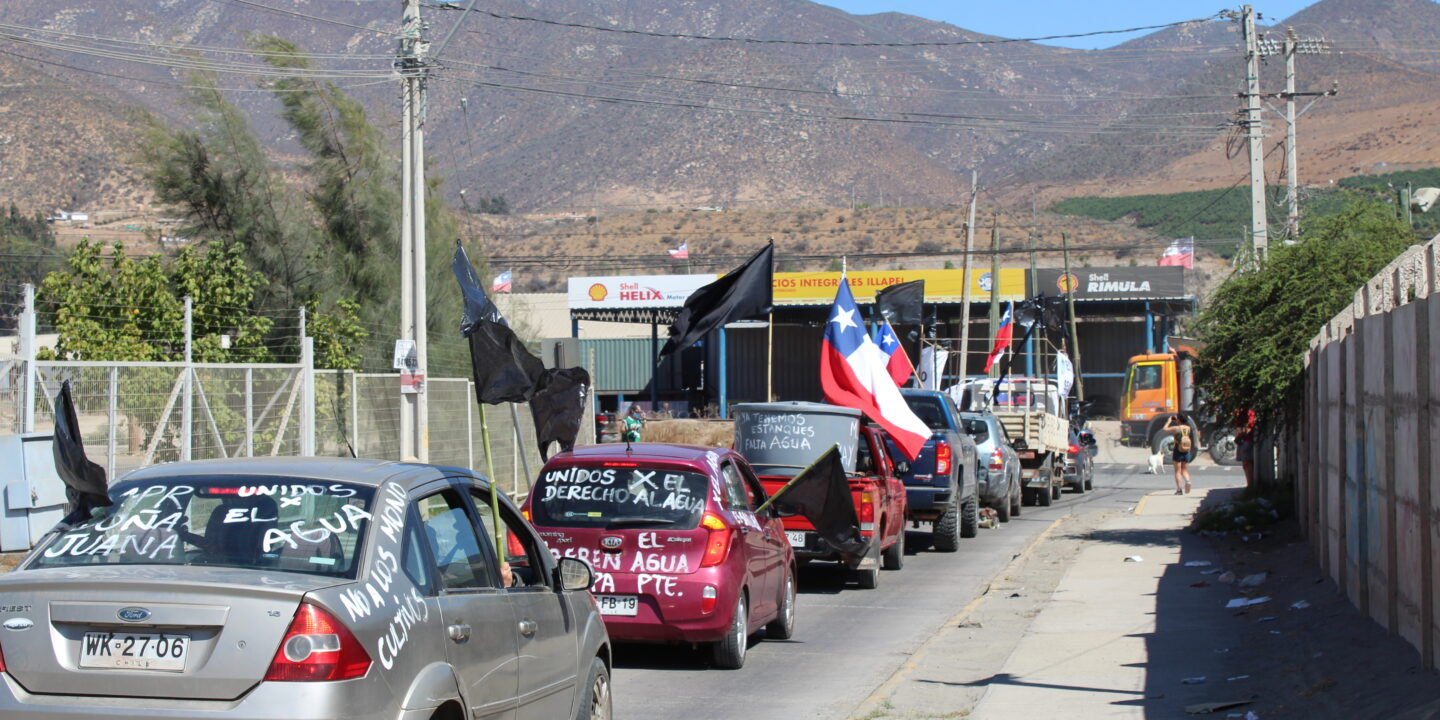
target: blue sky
<point>1034,18</point>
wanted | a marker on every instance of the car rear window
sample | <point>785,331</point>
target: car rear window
<point>978,429</point>
<point>929,410</point>
<point>263,523</point>
<point>610,497</point>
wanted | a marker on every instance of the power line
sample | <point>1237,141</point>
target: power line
<point>830,43</point>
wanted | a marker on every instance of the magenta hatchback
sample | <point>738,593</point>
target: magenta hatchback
<point>680,555</point>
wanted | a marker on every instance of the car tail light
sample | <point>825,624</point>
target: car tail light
<point>867,513</point>
<point>2,660</point>
<point>526,513</point>
<point>717,546</point>
<point>317,648</point>
<point>707,599</point>
<point>1074,449</point>
<point>997,460</point>
<point>942,458</point>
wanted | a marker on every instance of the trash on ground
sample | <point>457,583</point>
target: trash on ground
<point>989,518</point>
<point>1193,680</point>
<point>1202,583</point>
<point>1299,605</point>
<point>1211,571</point>
<point>1256,580</point>
<point>1198,563</point>
<point>1241,602</point>
<point>1267,618</point>
<point>1274,632</point>
<point>1210,707</point>
<point>1134,558</point>
<point>1228,578</point>
<point>1237,677</point>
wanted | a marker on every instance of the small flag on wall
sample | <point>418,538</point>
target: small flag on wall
<point>681,253</point>
<point>501,283</point>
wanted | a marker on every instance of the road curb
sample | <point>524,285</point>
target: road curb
<point>877,697</point>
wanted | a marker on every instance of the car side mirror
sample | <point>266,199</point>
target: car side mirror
<point>902,467</point>
<point>575,574</point>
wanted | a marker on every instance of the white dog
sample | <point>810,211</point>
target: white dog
<point>1157,464</point>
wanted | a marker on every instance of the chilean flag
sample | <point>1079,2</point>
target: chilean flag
<point>853,374</point>
<point>682,252</point>
<point>899,363</point>
<point>1181,253</point>
<point>501,283</point>
<point>1002,336</point>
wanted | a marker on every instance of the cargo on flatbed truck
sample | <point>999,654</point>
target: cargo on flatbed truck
<point>781,439</point>
<point>942,484</point>
<point>1033,413</point>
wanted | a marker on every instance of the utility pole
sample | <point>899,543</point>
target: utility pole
<point>414,407</point>
<point>1074,334</point>
<point>965,279</point>
<point>994,286</point>
<point>1255,131</point>
<point>1292,46</point>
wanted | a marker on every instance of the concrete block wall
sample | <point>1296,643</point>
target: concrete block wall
<point>1368,472</point>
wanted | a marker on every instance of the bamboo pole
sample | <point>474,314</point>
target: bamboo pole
<point>494,486</point>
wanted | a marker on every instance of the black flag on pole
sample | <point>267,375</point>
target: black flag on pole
<point>504,369</point>
<point>901,303</point>
<point>821,493</point>
<point>744,293</point>
<point>85,485</point>
<point>557,407</point>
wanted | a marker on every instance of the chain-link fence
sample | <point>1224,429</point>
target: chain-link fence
<point>133,414</point>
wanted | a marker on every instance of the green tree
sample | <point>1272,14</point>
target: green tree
<point>1259,323</point>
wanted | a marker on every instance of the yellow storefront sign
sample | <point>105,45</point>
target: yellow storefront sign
<point>941,286</point>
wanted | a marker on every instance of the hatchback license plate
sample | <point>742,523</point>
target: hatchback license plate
<point>796,538</point>
<point>134,651</point>
<point>627,605</point>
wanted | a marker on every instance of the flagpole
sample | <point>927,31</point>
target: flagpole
<point>994,283</point>
<point>1074,334</point>
<point>788,485</point>
<point>770,360</point>
<point>494,485</point>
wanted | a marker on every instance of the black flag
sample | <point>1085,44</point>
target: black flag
<point>744,293</point>
<point>85,486</point>
<point>504,369</point>
<point>557,407</point>
<point>821,493</point>
<point>900,304</point>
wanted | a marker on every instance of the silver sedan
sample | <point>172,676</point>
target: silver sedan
<point>296,589</point>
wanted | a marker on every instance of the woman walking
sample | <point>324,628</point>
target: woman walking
<point>1181,450</point>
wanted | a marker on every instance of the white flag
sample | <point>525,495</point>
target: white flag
<point>932,366</point>
<point>1064,373</point>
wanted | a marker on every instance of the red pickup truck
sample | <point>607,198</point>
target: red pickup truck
<point>781,439</point>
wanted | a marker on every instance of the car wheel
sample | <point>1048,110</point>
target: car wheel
<point>1017,498</point>
<point>729,651</point>
<point>1079,481</point>
<point>894,557</point>
<point>595,703</point>
<point>783,626</point>
<point>945,534</point>
<point>1057,481</point>
<point>1002,511</point>
<point>970,516</point>
<point>1043,496</point>
<point>1090,479</point>
<point>1223,448</point>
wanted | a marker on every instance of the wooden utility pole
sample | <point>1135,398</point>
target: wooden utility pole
<point>965,280</point>
<point>1074,334</point>
<point>994,287</point>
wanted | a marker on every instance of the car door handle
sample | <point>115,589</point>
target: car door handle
<point>459,632</point>
<point>528,628</point>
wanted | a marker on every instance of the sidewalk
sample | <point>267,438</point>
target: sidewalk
<point>1077,631</point>
<point>1112,643</point>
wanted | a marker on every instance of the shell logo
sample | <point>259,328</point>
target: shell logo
<point>1067,282</point>
<point>598,292</point>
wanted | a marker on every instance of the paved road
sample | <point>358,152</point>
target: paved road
<point>848,641</point>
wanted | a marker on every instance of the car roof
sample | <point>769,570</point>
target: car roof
<point>641,451</point>
<point>360,471</point>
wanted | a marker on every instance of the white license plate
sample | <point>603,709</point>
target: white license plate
<point>796,537</point>
<point>628,605</point>
<point>134,651</point>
